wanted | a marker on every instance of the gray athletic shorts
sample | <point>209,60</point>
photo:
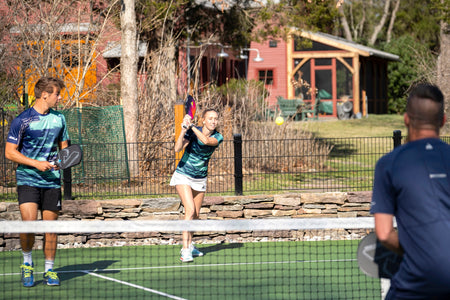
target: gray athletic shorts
<point>197,184</point>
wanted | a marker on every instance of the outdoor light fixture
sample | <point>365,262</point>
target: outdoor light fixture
<point>242,55</point>
<point>222,54</point>
<point>258,58</point>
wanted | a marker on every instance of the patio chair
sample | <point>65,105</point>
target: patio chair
<point>290,108</point>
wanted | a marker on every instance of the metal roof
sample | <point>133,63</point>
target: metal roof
<point>363,50</point>
<point>66,27</point>
<point>226,4</point>
<point>114,50</point>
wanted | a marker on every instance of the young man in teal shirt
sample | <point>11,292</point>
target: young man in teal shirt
<point>33,142</point>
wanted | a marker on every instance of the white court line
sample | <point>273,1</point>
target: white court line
<point>229,264</point>
<point>200,266</point>
<point>135,286</point>
<point>91,272</point>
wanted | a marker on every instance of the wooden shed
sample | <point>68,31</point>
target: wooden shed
<point>310,63</point>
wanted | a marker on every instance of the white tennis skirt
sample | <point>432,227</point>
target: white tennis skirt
<point>197,184</point>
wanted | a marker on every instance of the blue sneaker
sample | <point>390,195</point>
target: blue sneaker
<point>27,274</point>
<point>195,252</point>
<point>51,278</point>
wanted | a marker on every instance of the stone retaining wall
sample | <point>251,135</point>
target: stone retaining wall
<point>293,205</point>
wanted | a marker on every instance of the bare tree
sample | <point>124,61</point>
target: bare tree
<point>382,21</point>
<point>392,21</point>
<point>344,23</point>
<point>128,79</point>
<point>58,38</point>
<point>443,70</point>
<point>366,20</point>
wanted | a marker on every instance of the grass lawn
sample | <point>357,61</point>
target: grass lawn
<point>356,145</point>
<point>371,126</point>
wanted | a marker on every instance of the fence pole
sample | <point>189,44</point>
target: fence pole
<point>237,142</point>
<point>397,138</point>
<point>67,181</point>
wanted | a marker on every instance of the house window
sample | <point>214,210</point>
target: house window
<point>113,64</point>
<point>266,76</point>
<point>302,80</point>
<point>272,44</point>
<point>344,79</point>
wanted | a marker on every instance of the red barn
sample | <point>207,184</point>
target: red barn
<point>311,64</point>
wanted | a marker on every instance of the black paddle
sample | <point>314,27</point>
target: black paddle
<point>69,157</point>
<point>375,260</point>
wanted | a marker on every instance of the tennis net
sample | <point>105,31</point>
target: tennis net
<point>243,259</point>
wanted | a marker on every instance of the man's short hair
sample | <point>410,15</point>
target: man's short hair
<point>425,106</point>
<point>47,84</point>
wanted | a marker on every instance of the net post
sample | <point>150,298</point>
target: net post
<point>397,137</point>
<point>237,142</point>
<point>67,181</point>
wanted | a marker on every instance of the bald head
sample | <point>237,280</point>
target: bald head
<point>425,107</point>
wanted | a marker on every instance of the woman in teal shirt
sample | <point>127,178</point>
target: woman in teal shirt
<point>190,176</point>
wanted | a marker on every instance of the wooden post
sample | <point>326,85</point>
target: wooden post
<point>289,66</point>
<point>179,115</point>
<point>356,86</point>
<point>364,99</point>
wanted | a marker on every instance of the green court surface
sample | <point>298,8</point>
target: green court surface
<point>258,270</point>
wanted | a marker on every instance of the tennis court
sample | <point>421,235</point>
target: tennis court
<point>253,270</point>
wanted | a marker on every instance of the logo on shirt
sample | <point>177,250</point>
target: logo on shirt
<point>438,175</point>
<point>428,146</point>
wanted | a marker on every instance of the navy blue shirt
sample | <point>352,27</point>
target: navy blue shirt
<point>413,184</point>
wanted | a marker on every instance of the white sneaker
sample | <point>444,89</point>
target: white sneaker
<point>186,255</point>
<point>194,251</point>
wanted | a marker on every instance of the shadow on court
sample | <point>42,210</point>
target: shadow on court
<point>73,271</point>
<point>219,247</point>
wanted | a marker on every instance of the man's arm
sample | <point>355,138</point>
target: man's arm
<point>12,153</point>
<point>63,145</point>
<point>386,234</point>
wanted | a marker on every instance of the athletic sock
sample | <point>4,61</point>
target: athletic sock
<point>49,265</point>
<point>27,258</point>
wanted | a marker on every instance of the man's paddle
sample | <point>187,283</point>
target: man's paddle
<point>375,260</point>
<point>69,157</point>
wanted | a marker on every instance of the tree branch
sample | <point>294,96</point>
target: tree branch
<point>392,21</point>
<point>380,25</point>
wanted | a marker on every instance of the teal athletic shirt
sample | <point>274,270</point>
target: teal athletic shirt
<point>194,162</point>
<point>37,137</point>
